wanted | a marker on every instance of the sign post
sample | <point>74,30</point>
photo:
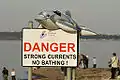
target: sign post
<point>78,51</point>
<point>73,73</point>
<point>69,75</point>
<point>30,25</point>
<point>43,48</point>
<point>29,73</point>
<point>65,73</point>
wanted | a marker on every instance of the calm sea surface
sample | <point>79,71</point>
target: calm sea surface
<point>10,56</point>
<point>10,53</point>
<point>101,49</point>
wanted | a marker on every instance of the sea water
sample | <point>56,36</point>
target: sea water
<point>10,53</point>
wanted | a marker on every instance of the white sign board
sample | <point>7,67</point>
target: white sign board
<point>41,47</point>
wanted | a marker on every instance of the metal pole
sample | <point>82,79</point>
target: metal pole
<point>29,73</point>
<point>65,73</point>
<point>73,73</point>
<point>78,51</point>
<point>30,25</point>
<point>69,74</point>
<point>65,77</point>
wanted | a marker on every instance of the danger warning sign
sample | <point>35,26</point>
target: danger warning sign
<point>41,47</point>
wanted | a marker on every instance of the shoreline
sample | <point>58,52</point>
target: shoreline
<point>18,35</point>
<point>81,74</point>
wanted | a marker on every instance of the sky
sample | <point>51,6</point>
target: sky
<point>102,16</point>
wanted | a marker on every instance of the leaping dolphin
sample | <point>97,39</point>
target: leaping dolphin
<point>55,19</point>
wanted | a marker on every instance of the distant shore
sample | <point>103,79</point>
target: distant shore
<point>10,35</point>
<point>18,36</point>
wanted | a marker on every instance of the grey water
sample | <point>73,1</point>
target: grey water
<point>10,57</point>
<point>102,49</point>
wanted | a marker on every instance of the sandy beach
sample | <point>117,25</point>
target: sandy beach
<point>81,74</point>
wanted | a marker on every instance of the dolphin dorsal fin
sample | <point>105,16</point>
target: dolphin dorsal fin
<point>67,12</point>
